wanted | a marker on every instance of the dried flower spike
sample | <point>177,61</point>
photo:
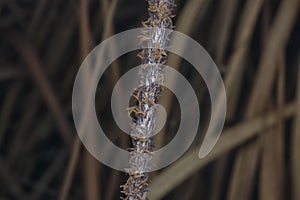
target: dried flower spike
<point>142,106</point>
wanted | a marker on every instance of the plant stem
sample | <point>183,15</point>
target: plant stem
<point>142,111</point>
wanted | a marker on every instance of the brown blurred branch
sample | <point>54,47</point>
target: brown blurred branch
<point>11,184</point>
<point>271,186</point>
<point>231,138</point>
<point>236,61</point>
<point>91,165</point>
<point>48,176</point>
<point>295,147</point>
<point>36,67</point>
<point>90,170</point>
<point>7,109</point>
<point>92,184</point>
<point>247,159</point>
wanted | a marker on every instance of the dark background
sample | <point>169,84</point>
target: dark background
<point>255,44</point>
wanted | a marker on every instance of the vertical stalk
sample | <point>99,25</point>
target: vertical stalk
<point>142,110</point>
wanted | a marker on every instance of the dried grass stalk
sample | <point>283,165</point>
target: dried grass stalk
<point>142,110</point>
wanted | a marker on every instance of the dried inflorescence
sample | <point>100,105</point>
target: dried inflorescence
<point>142,108</point>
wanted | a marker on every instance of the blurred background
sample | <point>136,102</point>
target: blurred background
<point>255,44</point>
